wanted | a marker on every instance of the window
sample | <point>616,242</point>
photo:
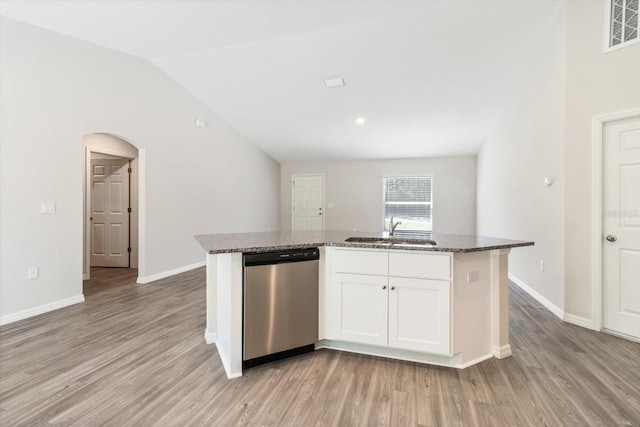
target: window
<point>408,199</point>
<point>622,23</point>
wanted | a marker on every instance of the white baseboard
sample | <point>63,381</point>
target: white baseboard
<point>580,321</point>
<point>210,337</point>
<point>501,352</point>
<point>476,361</point>
<point>558,312</point>
<point>45,308</point>
<point>143,280</point>
<point>454,361</point>
<point>621,335</point>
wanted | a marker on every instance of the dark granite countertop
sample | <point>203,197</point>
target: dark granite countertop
<point>272,241</point>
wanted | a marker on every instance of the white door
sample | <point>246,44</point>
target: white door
<point>621,227</point>
<point>307,204</point>
<point>361,308</point>
<point>419,311</point>
<point>110,213</point>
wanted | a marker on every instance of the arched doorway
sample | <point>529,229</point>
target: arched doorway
<point>111,203</point>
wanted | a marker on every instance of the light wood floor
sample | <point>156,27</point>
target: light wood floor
<point>134,355</point>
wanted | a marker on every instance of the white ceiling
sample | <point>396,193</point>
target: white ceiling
<point>429,77</point>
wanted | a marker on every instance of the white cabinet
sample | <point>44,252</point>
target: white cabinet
<point>419,313</point>
<point>406,310</point>
<point>361,308</point>
<point>361,262</point>
<point>420,265</point>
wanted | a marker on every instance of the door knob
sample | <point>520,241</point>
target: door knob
<point>611,238</point>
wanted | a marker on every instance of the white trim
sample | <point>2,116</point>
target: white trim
<point>480,359</point>
<point>607,26</point>
<point>399,354</point>
<point>293,196</point>
<point>454,361</point>
<point>621,45</point>
<point>558,312</point>
<point>579,321</point>
<point>142,211</point>
<point>210,337</point>
<point>621,335</point>
<point>143,280</point>
<point>45,308</point>
<point>597,157</point>
<point>501,352</point>
<point>85,277</point>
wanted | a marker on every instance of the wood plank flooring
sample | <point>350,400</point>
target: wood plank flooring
<point>134,355</point>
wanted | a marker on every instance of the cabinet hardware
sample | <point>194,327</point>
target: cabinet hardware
<point>384,287</point>
<point>393,288</point>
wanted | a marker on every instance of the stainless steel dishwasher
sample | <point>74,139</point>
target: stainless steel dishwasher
<point>280,317</point>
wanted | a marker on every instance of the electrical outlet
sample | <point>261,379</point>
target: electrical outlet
<point>541,265</point>
<point>473,276</point>
<point>34,273</point>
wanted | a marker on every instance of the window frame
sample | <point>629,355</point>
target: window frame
<point>430,176</point>
<point>608,4</point>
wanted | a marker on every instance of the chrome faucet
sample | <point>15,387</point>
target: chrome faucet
<point>392,227</point>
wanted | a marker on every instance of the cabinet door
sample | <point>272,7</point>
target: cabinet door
<point>419,315</point>
<point>361,308</point>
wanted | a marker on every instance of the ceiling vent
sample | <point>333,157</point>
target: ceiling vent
<point>334,82</point>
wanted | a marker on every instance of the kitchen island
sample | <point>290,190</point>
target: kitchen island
<point>444,304</point>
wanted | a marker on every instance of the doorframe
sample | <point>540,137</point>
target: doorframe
<point>140,164</point>
<point>293,196</point>
<point>597,157</point>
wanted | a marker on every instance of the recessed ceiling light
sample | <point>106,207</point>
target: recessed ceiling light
<point>334,82</point>
<point>360,120</point>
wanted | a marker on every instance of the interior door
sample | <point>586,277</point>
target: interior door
<point>307,204</point>
<point>621,226</point>
<point>110,212</point>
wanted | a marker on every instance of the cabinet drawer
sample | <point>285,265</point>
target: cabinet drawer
<point>361,262</point>
<point>427,266</point>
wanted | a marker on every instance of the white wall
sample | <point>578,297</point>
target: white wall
<point>547,131</point>
<point>597,84</point>
<point>526,146</point>
<point>56,89</point>
<point>355,190</point>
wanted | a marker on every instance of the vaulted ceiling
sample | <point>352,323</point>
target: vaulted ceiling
<point>430,78</point>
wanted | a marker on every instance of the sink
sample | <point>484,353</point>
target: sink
<point>392,241</point>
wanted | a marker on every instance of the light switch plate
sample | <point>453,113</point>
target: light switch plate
<point>34,273</point>
<point>48,207</point>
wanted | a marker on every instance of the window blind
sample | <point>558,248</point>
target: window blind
<point>408,199</point>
